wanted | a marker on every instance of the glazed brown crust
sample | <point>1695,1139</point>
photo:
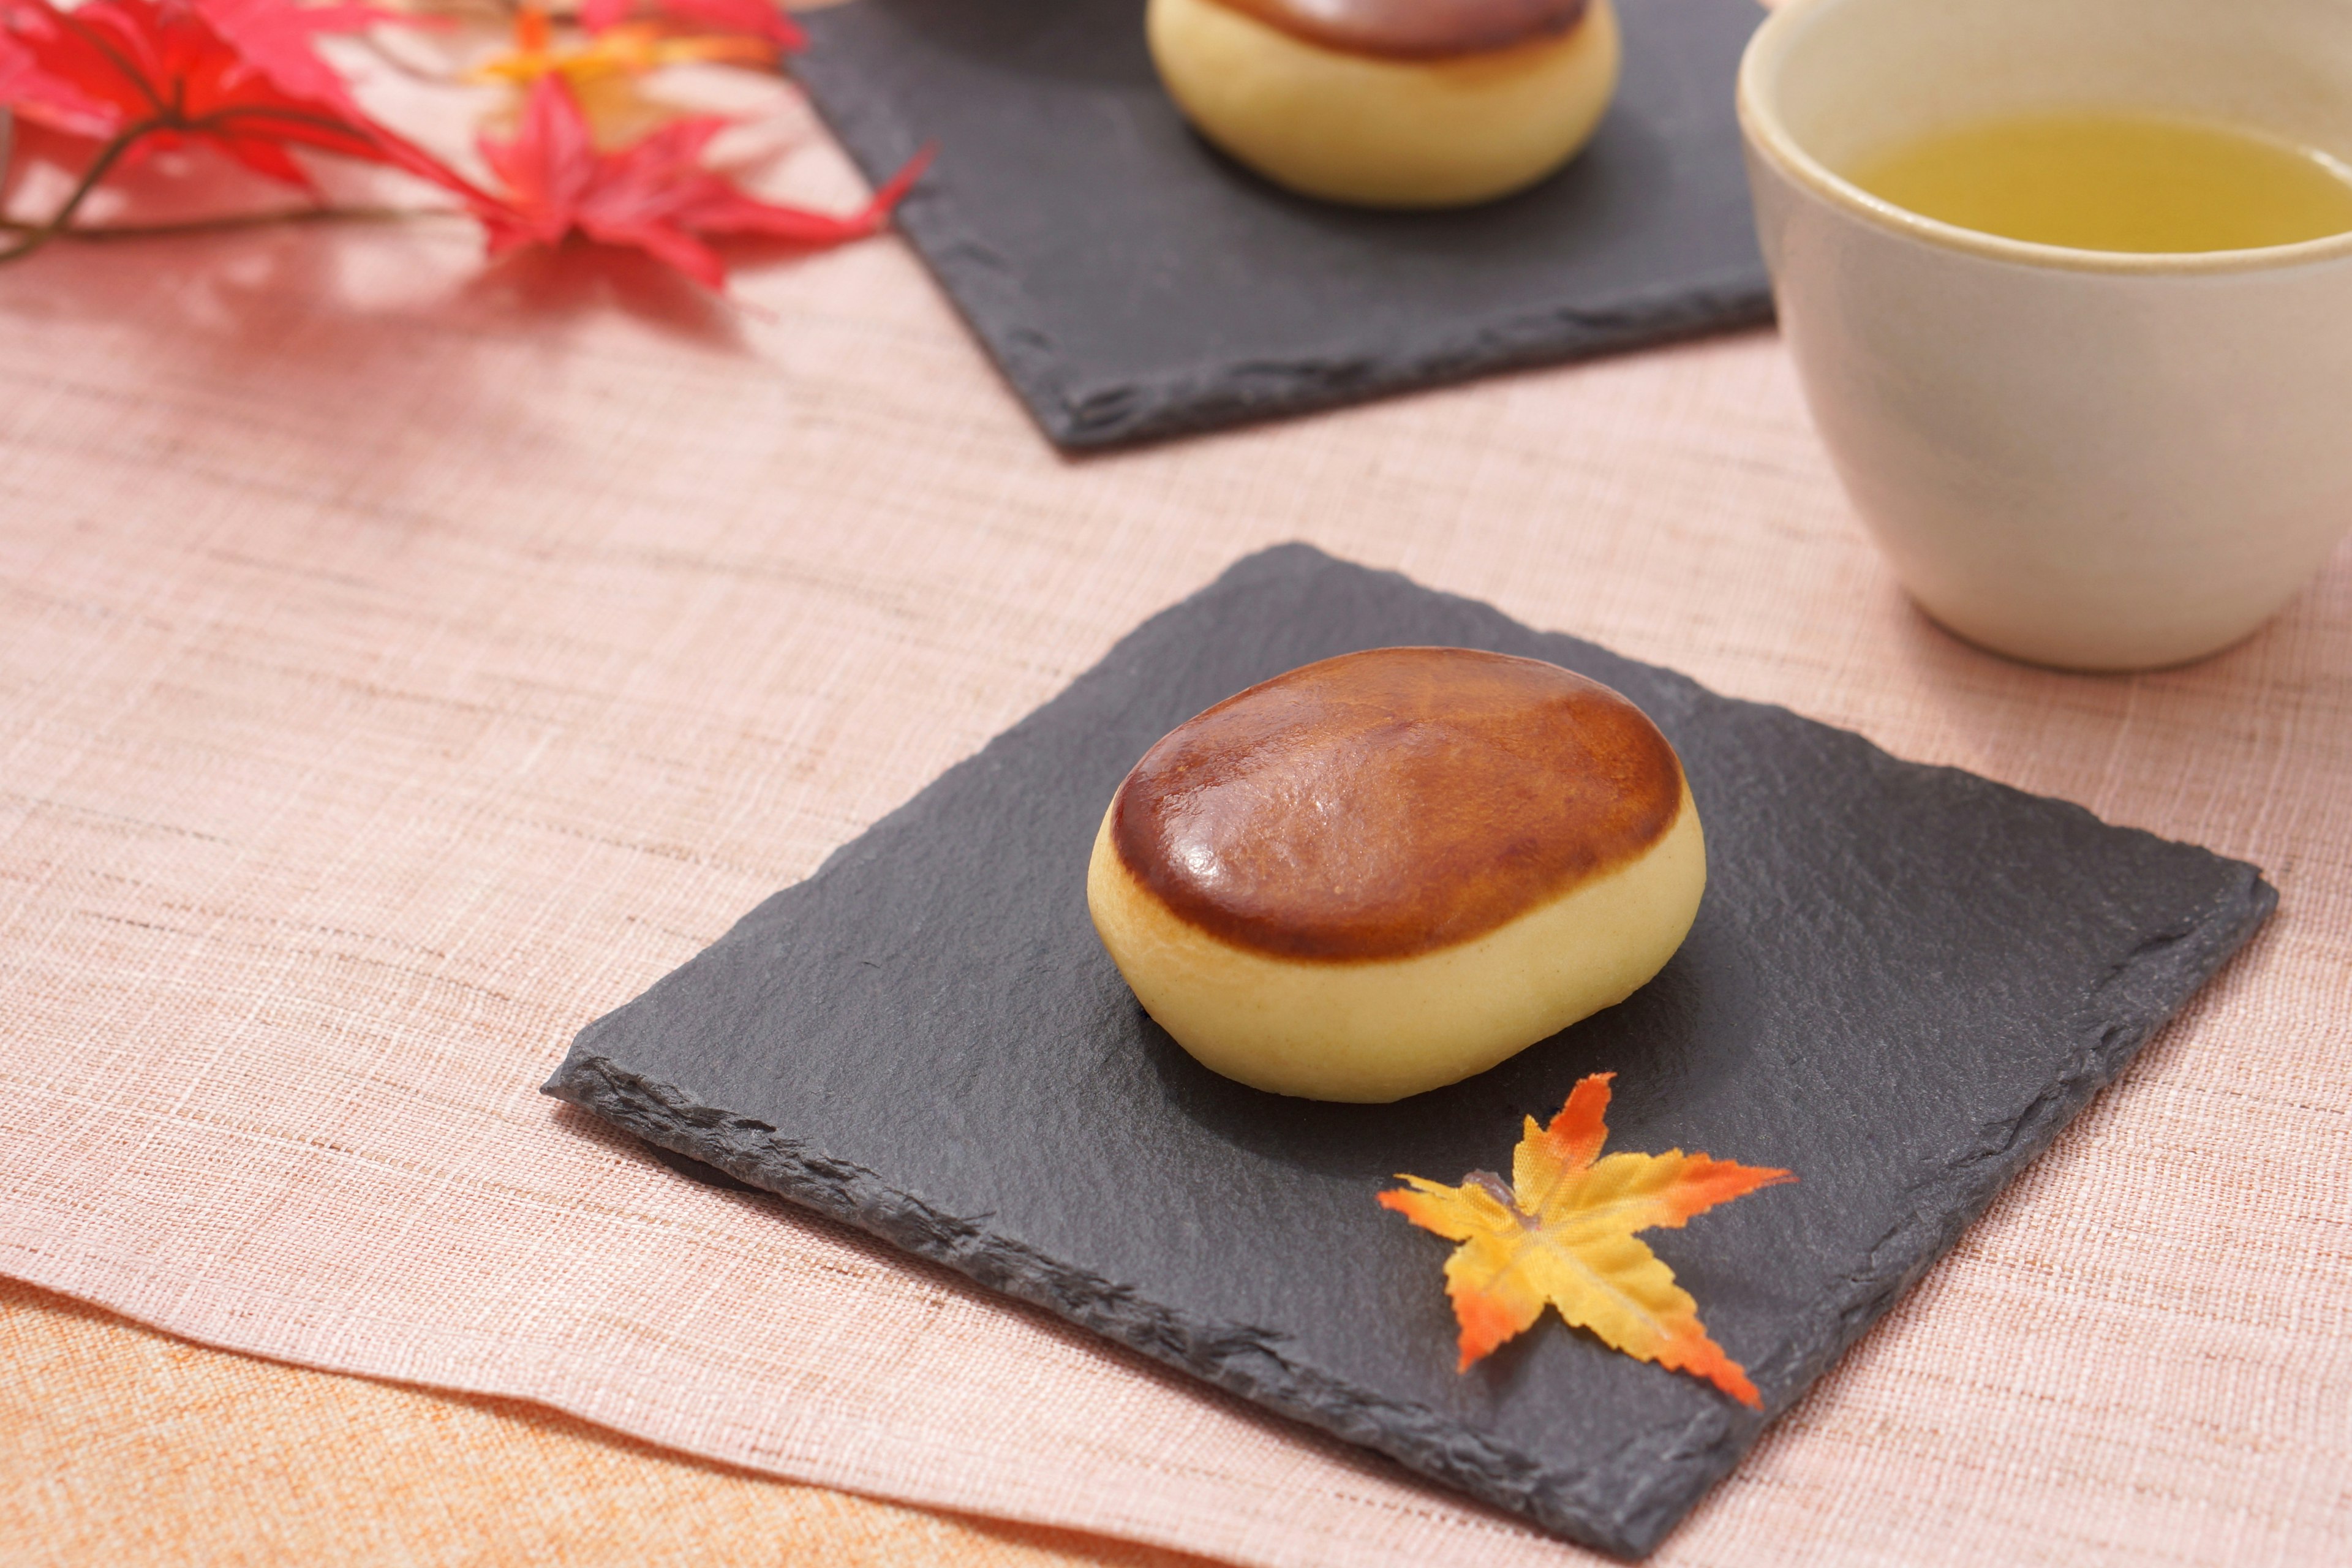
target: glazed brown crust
<point>1415,29</point>
<point>1386,803</point>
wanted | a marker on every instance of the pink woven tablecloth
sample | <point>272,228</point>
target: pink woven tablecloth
<point>401,666</point>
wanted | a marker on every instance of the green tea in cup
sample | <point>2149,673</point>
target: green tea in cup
<point>2115,180</point>
<point>2068,285</point>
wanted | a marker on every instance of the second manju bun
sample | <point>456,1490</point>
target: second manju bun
<point>1391,103</point>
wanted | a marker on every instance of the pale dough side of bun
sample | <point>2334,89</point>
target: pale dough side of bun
<point>1378,1030</point>
<point>1385,133</point>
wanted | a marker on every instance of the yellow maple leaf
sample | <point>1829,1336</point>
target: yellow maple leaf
<point>1563,1233</point>
<point>630,50</point>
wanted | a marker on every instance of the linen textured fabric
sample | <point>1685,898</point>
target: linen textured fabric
<point>403,664</point>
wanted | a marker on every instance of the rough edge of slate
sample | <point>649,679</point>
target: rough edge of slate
<point>985,286</point>
<point>1599,1509</point>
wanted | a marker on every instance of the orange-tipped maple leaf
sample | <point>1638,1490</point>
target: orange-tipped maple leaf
<point>1563,1233</point>
<point>625,50</point>
<point>756,18</point>
<point>654,196</point>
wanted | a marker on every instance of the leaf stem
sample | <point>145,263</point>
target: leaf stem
<point>107,155</point>
<point>228,223</point>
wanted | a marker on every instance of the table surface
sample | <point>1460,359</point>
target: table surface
<point>405,661</point>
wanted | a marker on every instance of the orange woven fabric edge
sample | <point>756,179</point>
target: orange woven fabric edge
<point>125,1447</point>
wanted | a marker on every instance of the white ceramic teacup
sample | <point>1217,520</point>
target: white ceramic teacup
<point>2086,459</point>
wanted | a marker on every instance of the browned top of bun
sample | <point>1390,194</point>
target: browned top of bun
<point>1390,802</point>
<point>1416,29</point>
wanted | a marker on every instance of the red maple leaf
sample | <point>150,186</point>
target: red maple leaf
<point>240,75</point>
<point>752,18</point>
<point>654,196</point>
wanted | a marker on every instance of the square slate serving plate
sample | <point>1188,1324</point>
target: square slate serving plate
<point>1903,981</point>
<point>1132,282</point>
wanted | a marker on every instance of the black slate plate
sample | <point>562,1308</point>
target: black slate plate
<point>1902,981</point>
<point>1132,282</point>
